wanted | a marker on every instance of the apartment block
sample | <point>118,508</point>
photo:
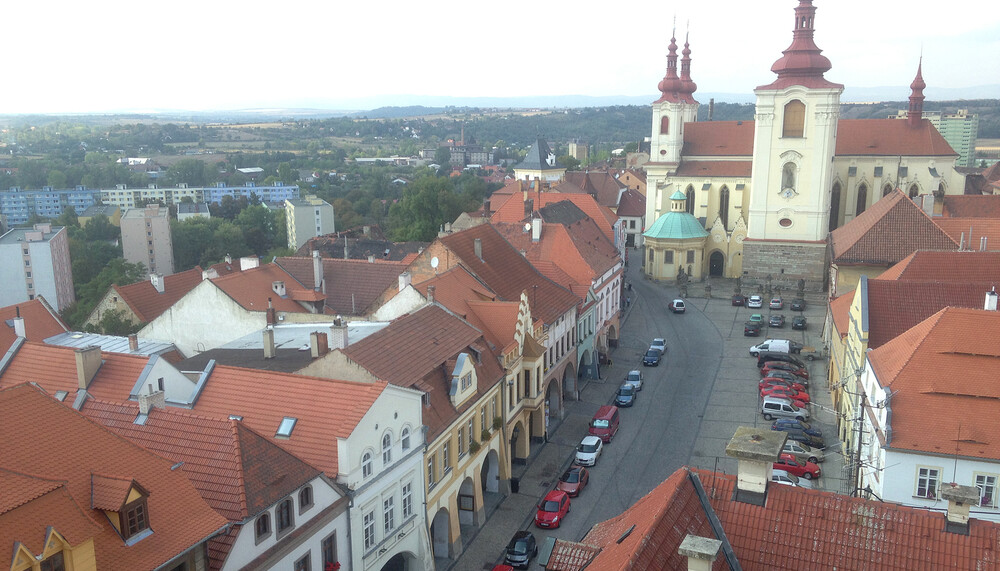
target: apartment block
<point>36,263</point>
<point>307,218</point>
<point>960,129</point>
<point>146,238</point>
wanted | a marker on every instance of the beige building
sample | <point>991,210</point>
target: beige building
<point>307,218</point>
<point>146,238</point>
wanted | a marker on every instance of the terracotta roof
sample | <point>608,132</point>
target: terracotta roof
<point>579,249</point>
<point>352,286</point>
<point>147,303</point>
<point>947,266</point>
<point>360,247</point>
<point>109,493</point>
<point>633,203</point>
<point>252,288</point>
<point>891,229</point>
<point>891,307</point>
<point>889,137</point>
<point>40,322</point>
<point>970,232</point>
<point>511,210</point>
<point>75,448</point>
<point>933,409</point>
<point>54,368</point>
<point>505,271</point>
<point>602,185</point>
<point>497,320</point>
<point>963,206</point>
<point>718,138</point>
<point>840,310</point>
<point>29,505</point>
<point>714,168</point>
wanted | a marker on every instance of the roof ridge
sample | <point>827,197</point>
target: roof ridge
<point>234,427</point>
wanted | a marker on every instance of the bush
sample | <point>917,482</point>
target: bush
<point>485,434</point>
<point>474,447</point>
<point>497,423</point>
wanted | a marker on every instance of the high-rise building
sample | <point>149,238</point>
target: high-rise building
<point>35,262</point>
<point>307,218</point>
<point>146,238</point>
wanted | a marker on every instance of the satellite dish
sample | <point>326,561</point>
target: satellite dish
<point>527,226</point>
<point>434,262</point>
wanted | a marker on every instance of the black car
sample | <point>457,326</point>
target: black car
<point>521,549</point>
<point>799,322</point>
<point>751,329</point>
<point>625,396</point>
<point>776,321</point>
<point>786,424</point>
<point>798,304</point>
<point>789,376</point>
<point>652,358</point>
<point>787,358</point>
<point>805,438</point>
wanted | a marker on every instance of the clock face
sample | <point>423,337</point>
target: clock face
<point>788,193</point>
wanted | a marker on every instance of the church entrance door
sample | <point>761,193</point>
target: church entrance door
<point>716,264</point>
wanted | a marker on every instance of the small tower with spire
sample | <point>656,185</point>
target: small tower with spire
<point>916,112</point>
<point>675,107</point>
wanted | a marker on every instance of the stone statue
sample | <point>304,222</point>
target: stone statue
<point>802,286</point>
<point>739,286</point>
<point>708,291</point>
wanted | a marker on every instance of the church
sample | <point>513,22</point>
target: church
<point>767,192</point>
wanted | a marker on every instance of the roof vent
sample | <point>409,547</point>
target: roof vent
<point>756,450</point>
<point>960,499</point>
<point>700,552</point>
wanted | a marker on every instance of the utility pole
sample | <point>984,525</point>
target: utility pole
<point>857,459</point>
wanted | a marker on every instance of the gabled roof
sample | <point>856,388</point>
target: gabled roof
<point>891,229</point>
<point>579,249</point>
<point>40,322</point>
<point>840,311</point>
<point>30,504</point>
<point>890,137</point>
<point>539,157</point>
<point>602,185</point>
<point>632,203</point>
<point>970,232</point>
<point>934,410</point>
<point>54,368</point>
<point>505,271</point>
<point>718,138</point>
<point>966,206</point>
<point>109,493</point>
<point>360,248</point>
<point>351,286</point>
<point>75,448</point>
<point>715,168</point>
<point>511,208</point>
<point>891,307</point>
<point>946,266</point>
<point>252,288</point>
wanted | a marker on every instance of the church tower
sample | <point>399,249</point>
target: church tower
<point>795,137</point>
<point>675,107</point>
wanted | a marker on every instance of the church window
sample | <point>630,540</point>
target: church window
<point>914,191</point>
<point>690,256</point>
<point>689,202</point>
<point>862,200</point>
<point>794,121</point>
<point>724,206</point>
<point>668,257</point>
<point>886,190</point>
<point>650,255</point>
<point>834,207</point>
<point>664,125</point>
<point>785,222</point>
<point>788,176</point>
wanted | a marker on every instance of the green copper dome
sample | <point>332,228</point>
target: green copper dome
<point>676,226</point>
<point>678,195</point>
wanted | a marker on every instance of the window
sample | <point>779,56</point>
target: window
<point>668,257</point>
<point>914,191</point>
<point>366,465</point>
<point>472,437</point>
<point>862,200</point>
<point>834,207</point>
<point>689,202</point>
<point>466,381</point>
<point>388,514</point>
<point>430,471</point>
<point>305,563</point>
<point>482,419</point>
<point>54,563</point>
<point>368,525</point>
<point>928,480</point>
<point>135,517</point>
<point>793,124</point>
<point>461,442</point>
<point>650,254</point>
<point>284,516</point>
<point>690,256</point>
<point>987,484</point>
<point>886,189</point>
<point>387,449</point>
<point>263,526</point>
<point>407,500</point>
<point>405,437</point>
<point>664,125</point>
<point>446,457</point>
<point>724,206</point>
<point>305,498</point>
<point>328,549</point>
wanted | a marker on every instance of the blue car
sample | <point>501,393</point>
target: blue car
<point>625,395</point>
<point>787,424</point>
<point>651,358</point>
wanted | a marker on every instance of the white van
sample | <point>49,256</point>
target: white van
<point>776,346</point>
<point>775,407</point>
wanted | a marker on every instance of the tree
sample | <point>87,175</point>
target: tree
<point>100,228</point>
<point>190,171</point>
<point>569,161</point>
<point>442,156</point>
<point>257,225</point>
<point>114,322</point>
<point>57,179</point>
<point>428,203</point>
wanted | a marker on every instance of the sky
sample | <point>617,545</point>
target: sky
<point>118,55</point>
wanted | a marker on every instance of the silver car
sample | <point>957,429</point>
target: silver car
<point>803,452</point>
<point>634,378</point>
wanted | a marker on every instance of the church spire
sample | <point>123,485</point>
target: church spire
<point>688,87</point>
<point>670,85</point>
<point>802,63</point>
<point>915,114</point>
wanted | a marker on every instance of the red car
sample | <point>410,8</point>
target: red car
<point>574,480</point>
<point>788,463</point>
<point>785,393</point>
<point>552,509</point>
<point>779,382</point>
<point>783,366</point>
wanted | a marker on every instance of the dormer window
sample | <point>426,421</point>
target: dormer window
<point>123,501</point>
<point>134,518</point>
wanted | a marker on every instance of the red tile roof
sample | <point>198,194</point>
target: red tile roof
<point>934,410</point>
<point>54,368</point>
<point>892,311</point>
<point>840,310</point>
<point>889,137</point>
<point>946,266</point>
<point>64,445</point>
<point>718,138</point>
<point>714,168</point>
<point>511,209</point>
<point>633,203</point>
<point>970,232</point>
<point>40,322</point>
<point>602,185</point>
<point>578,249</point>
<point>252,288</point>
<point>147,303</point>
<point>29,505</point>
<point>965,206</point>
<point>109,493</point>
<point>887,232</point>
<point>352,286</point>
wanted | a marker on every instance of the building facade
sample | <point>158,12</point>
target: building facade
<point>307,218</point>
<point>146,238</point>
<point>36,263</point>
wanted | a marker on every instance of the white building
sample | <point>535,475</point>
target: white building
<point>36,262</point>
<point>307,218</point>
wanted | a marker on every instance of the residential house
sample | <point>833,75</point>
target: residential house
<point>601,184</point>
<point>18,204</point>
<point>112,212</point>
<point>188,210</point>
<point>144,301</point>
<point>146,238</point>
<point>307,218</point>
<point>634,178</point>
<point>36,262</point>
<point>33,320</point>
<point>632,211</point>
<point>355,288</point>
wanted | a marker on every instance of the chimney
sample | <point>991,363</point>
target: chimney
<point>229,260</point>
<point>249,263</point>
<point>477,247</point>
<point>756,449</point>
<point>367,231</point>
<point>133,342</point>
<point>371,259</point>
<point>271,313</point>
<point>278,287</point>
<point>991,301</point>
<point>711,108</point>
<point>700,552</point>
<point>486,209</point>
<point>88,361</point>
<point>157,281</point>
<point>19,329</point>
<point>155,399</point>
<point>529,207</point>
<point>209,274</point>
<point>536,229</point>
<point>927,204</point>
<point>317,271</point>
<point>318,344</point>
<point>404,280</point>
<point>960,499</point>
<point>269,351</point>
<point>338,334</point>
<point>430,293</point>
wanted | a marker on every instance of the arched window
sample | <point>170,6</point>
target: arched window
<point>940,189</point>
<point>263,526</point>
<point>862,200</point>
<point>788,176</point>
<point>664,125</point>
<point>366,465</point>
<point>835,207</point>
<point>405,438</point>
<point>689,201</point>
<point>305,498</point>
<point>724,206</point>
<point>886,189</point>
<point>387,449</point>
<point>794,120</point>
<point>914,191</point>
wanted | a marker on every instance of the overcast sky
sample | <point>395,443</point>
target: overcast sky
<point>113,55</point>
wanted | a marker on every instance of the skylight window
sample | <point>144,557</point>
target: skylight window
<point>286,427</point>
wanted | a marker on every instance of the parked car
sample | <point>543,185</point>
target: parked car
<point>783,366</point>
<point>574,480</point>
<point>776,346</point>
<point>776,303</point>
<point>756,318</point>
<point>786,376</point>
<point>776,321</point>
<point>776,382</point>
<point>803,451</point>
<point>786,357</point>
<point>785,392</point>
<point>790,464</point>
<point>792,424</point>
<point>521,549</point>
<point>676,306</point>
<point>625,396</point>
<point>652,358</point>
<point>783,477</point>
<point>777,407</point>
<point>751,329</point>
<point>634,378</point>
<point>799,322</point>
<point>798,304</point>
<point>552,509</point>
<point>659,344</point>
<point>589,450</point>
<point>739,300</point>
<point>800,436</point>
<point>755,302</point>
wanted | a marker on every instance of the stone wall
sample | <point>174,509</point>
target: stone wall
<point>786,263</point>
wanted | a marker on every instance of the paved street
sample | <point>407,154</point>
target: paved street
<point>688,409</point>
